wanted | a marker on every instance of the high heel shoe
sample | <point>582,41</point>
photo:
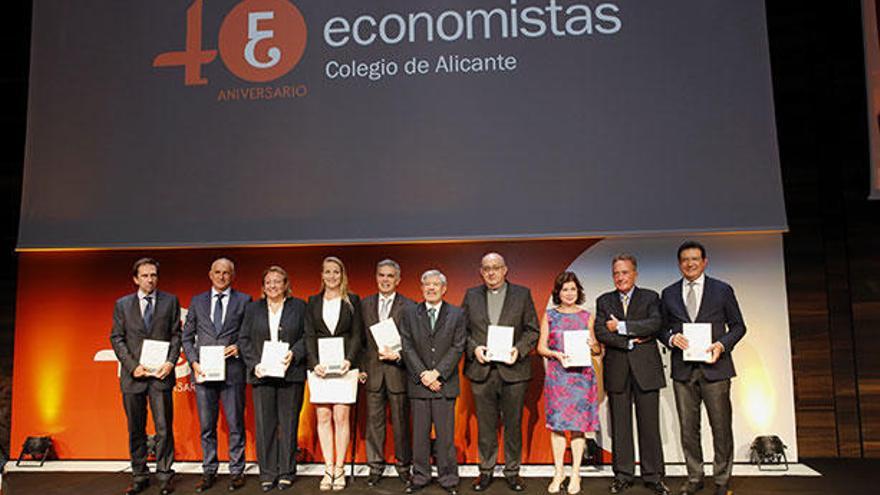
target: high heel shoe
<point>556,484</point>
<point>327,481</point>
<point>339,479</point>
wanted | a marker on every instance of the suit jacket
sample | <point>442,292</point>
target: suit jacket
<point>199,330</point>
<point>518,312</point>
<point>393,374</point>
<point>255,331</point>
<point>718,307</point>
<point>128,334</point>
<point>440,349</point>
<point>643,320</point>
<point>349,327</point>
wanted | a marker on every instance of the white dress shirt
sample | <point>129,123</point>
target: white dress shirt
<point>330,313</point>
<point>699,283</point>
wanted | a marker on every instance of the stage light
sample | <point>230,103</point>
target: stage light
<point>769,451</point>
<point>36,448</point>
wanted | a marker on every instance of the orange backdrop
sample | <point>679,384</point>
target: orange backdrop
<point>64,308</point>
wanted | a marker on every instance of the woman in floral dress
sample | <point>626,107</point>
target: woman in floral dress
<point>570,394</point>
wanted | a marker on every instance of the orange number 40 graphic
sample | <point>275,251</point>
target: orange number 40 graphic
<point>259,41</point>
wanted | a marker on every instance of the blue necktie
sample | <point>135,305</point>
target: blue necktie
<point>148,312</point>
<point>218,314</point>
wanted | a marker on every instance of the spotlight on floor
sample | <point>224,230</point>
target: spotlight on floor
<point>769,451</point>
<point>35,449</point>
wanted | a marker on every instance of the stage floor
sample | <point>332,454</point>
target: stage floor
<point>836,477</point>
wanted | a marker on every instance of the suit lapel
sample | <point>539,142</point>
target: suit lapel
<point>441,319</point>
<point>134,314</point>
<point>704,297</point>
<point>506,306</point>
<point>678,300</point>
<point>483,304</point>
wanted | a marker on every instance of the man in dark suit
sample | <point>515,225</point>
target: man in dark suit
<point>499,387</point>
<point>386,377</point>
<point>697,298</point>
<point>628,320</point>
<point>155,315</point>
<point>433,338</point>
<point>214,319</point>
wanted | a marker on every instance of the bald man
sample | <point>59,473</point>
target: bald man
<point>499,387</point>
<point>214,319</point>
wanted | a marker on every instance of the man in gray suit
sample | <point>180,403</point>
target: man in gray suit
<point>154,315</point>
<point>433,337</point>
<point>214,319</point>
<point>697,298</point>
<point>499,387</point>
<point>386,377</point>
<point>628,320</point>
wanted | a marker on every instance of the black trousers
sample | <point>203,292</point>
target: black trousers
<point>492,397</point>
<point>162,410</point>
<point>277,405</point>
<point>716,396</point>
<point>375,434</point>
<point>647,406</point>
<point>441,414</point>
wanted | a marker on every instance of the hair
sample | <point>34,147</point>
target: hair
<point>389,262</point>
<point>691,245</point>
<point>433,273</point>
<point>625,257</point>
<point>281,271</point>
<point>343,284</point>
<point>227,260</point>
<point>561,280</point>
<point>494,254</point>
<point>141,262</point>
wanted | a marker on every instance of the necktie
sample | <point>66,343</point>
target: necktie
<point>624,299</point>
<point>148,312</point>
<point>218,313</point>
<point>432,317</point>
<point>385,309</point>
<point>691,301</point>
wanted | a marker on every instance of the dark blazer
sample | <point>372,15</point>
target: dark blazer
<point>350,328</point>
<point>718,307</point>
<point>128,334</point>
<point>518,312</point>
<point>643,319</point>
<point>439,349</point>
<point>378,371</point>
<point>198,330</point>
<point>255,331</point>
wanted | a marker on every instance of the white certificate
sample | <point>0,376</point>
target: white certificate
<point>331,353</point>
<point>699,336</point>
<point>385,334</point>
<point>212,363</point>
<point>154,353</point>
<point>339,389</point>
<point>272,360</point>
<point>499,343</point>
<point>577,347</point>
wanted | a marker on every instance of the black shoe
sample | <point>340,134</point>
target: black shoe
<point>373,479</point>
<point>413,488</point>
<point>236,481</point>
<point>167,488</point>
<point>722,489</point>
<point>658,487</point>
<point>286,482</point>
<point>482,482</point>
<point>619,486</point>
<point>451,490</point>
<point>515,483</point>
<point>267,486</point>
<point>205,483</point>
<point>137,486</point>
<point>405,477</point>
<point>690,487</point>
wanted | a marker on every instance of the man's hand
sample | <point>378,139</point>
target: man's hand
<point>611,324</point>
<point>164,370</point>
<point>258,371</point>
<point>716,349</point>
<point>230,351</point>
<point>435,386</point>
<point>362,377</point>
<point>480,354</point>
<point>197,370</point>
<point>386,354</point>
<point>320,370</point>
<point>680,341</point>
<point>514,353</point>
<point>429,376</point>
<point>139,372</point>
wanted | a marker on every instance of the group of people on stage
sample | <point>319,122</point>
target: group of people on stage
<point>419,382</point>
